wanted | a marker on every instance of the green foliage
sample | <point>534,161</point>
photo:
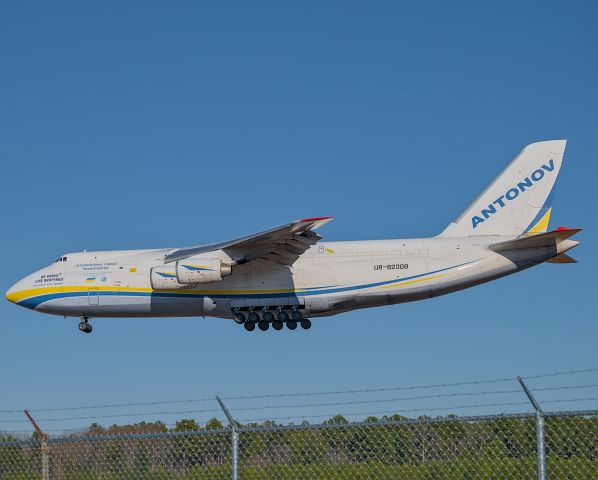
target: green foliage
<point>214,424</point>
<point>186,425</point>
<point>336,420</point>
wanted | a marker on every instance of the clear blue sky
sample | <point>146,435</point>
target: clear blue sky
<point>150,124</point>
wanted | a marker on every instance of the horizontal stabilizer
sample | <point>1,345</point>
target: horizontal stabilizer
<point>540,240</point>
<point>562,258</point>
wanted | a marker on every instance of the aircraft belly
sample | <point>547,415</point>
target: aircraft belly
<point>487,267</point>
<point>119,306</point>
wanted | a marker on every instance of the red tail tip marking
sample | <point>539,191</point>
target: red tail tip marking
<point>314,219</point>
<point>565,229</point>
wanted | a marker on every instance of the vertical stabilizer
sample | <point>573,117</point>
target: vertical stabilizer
<point>519,200</point>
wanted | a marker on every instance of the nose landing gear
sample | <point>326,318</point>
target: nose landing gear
<point>85,326</point>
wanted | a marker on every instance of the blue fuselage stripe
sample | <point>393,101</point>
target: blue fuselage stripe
<point>37,300</point>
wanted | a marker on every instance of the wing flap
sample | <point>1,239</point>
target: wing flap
<point>276,258</point>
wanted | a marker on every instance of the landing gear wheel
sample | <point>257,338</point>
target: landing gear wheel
<point>263,325</point>
<point>305,324</point>
<point>282,316</point>
<point>253,317</point>
<point>85,327</point>
<point>239,318</point>
<point>291,324</point>
<point>297,315</point>
<point>268,317</point>
<point>277,325</point>
<point>249,326</point>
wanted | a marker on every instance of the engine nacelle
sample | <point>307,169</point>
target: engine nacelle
<point>164,278</point>
<point>201,270</point>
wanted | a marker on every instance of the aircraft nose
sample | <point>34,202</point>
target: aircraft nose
<point>12,294</point>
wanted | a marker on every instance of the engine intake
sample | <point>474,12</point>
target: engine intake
<point>201,270</point>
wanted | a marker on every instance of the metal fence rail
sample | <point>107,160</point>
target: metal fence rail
<point>481,447</point>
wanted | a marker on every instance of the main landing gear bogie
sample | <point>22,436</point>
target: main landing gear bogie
<point>277,317</point>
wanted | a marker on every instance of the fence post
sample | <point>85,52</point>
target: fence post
<point>45,449</point>
<point>234,440</point>
<point>540,442</point>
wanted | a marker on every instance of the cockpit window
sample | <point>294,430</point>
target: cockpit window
<point>60,259</point>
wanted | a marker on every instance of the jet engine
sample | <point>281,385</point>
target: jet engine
<point>164,278</point>
<point>201,270</point>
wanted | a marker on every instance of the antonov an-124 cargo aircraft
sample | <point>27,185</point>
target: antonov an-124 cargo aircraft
<point>287,275</point>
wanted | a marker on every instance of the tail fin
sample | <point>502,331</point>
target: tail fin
<point>519,200</point>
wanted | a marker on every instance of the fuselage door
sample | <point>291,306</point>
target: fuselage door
<point>93,295</point>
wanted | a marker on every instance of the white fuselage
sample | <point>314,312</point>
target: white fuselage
<point>328,278</point>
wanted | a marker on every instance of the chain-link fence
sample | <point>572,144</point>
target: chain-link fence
<point>483,447</point>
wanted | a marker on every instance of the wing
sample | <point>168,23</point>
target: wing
<point>282,244</point>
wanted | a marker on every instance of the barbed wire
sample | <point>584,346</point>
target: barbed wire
<point>417,397</point>
<point>116,415</point>
<point>566,387</point>
<point>302,394</point>
<point>112,405</point>
<point>325,404</point>
<point>558,374</point>
<point>412,410</point>
<point>363,402</point>
<point>328,415</point>
<point>413,387</point>
<point>386,412</point>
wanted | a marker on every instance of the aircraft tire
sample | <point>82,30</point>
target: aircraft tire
<point>253,317</point>
<point>249,326</point>
<point>277,325</point>
<point>239,318</point>
<point>268,317</point>
<point>85,327</point>
<point>291,324</point>
<point>263,325</point>
<point>282,316</point>
<point>306,324</point>
<point>297,315</point>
